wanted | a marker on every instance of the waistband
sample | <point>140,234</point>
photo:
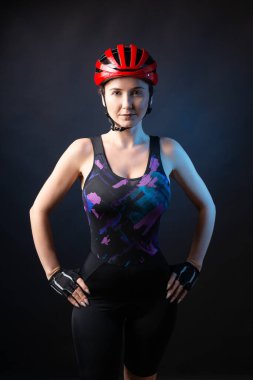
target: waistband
<point>92,262</point>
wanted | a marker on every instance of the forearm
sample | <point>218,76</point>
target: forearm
<point>43,240</point>
<point>202,236</point>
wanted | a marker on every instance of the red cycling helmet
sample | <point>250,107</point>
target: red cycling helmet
<point>126,60</point>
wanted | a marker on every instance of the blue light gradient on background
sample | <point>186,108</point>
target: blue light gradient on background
<point>203,100</point>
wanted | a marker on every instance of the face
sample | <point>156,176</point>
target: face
<point>126,100</point>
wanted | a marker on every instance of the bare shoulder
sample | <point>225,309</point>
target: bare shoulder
<point>80,149</point>
<point>78,152</point>
<point>166,148</point>
<point>185,173</point>
<point>81,146</point>
<point>64,174</point>
<point>170,151</point>
<point>168,144</point>
<point>172,148</point>
<point>181,163</point>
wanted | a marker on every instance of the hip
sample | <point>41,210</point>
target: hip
<point>138,281</point>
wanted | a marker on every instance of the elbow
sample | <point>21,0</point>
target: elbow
<point>32,213</point>
<point>35,209</point>
<point>212,206</point>
<point>209,206</point>
<point>211,210</point>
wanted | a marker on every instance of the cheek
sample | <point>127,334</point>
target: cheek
<point>143,104</point>
<point>111,104</point>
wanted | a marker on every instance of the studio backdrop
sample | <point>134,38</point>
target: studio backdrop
<point>203,100</point>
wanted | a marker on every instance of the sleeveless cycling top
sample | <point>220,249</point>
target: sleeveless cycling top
<point>124,214</point>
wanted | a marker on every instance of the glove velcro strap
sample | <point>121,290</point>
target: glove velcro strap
<point>187,274</point>
<point>64,282</point>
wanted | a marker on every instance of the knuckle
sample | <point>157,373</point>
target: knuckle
<point>81,293</point>
<point>77,295</point>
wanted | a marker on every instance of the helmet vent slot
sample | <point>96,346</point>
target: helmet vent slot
<point>116,55</point>
<point>127,56</point>
<point>138,56</point>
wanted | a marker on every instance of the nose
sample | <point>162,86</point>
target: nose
<point>127,101</point>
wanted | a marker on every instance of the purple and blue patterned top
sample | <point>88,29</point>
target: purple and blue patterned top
<point>124,214</point>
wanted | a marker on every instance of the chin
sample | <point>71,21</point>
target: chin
<point>127,124</point>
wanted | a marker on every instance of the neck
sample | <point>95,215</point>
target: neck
<point>127,138</point>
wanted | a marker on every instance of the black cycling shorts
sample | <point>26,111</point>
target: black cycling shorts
<point>128,320</point>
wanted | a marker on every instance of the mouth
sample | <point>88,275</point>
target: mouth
<point>128,114</point>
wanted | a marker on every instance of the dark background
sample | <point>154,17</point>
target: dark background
<point>203,100</point>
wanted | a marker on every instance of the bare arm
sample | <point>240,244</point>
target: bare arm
<point>65,172</point>
<point>186,175</point>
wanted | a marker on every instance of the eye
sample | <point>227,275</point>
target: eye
<point>116,92</point>
<point>137,92</point>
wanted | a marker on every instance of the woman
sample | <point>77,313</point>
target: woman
<point>128,292</point>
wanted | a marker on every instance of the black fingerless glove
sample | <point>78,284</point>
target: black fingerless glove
<point>187,274</point>
<point>64,281</point>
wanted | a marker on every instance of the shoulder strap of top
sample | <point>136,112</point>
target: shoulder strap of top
<point>155,145</point>
<point>97,145</point>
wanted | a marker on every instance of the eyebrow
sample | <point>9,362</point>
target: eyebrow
<point>134,88</point>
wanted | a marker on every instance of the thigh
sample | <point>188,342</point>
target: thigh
<point>146,335</point>
<point>97,338</point>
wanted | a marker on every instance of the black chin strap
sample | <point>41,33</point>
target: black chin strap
<point>112,122</point>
